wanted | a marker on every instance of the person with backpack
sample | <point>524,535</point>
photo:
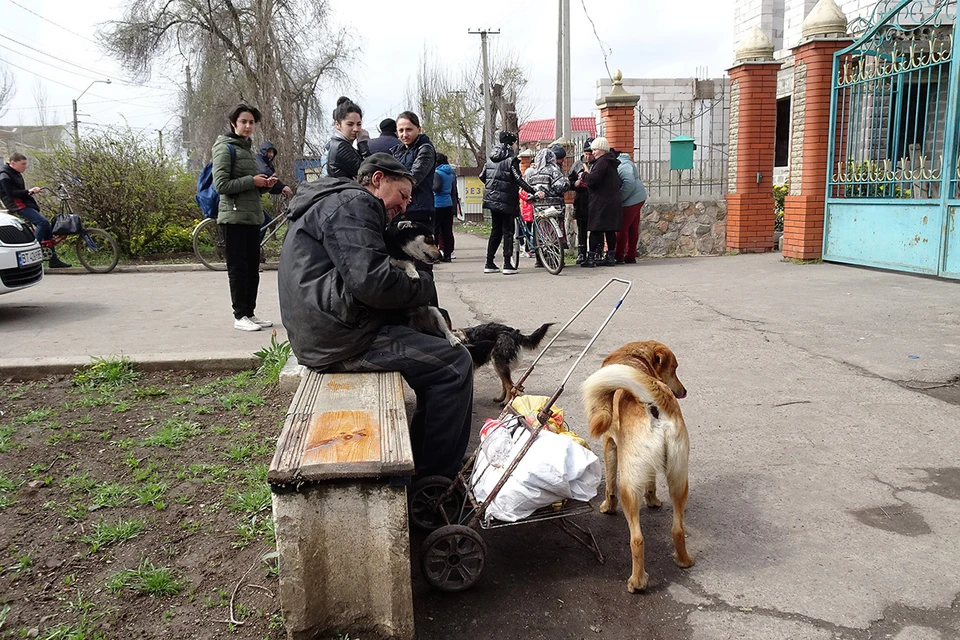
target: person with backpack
<point>444,184</point>
<point>239,184</point>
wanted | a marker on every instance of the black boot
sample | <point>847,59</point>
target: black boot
<point>589,260</point>
<point>57,263</point>
<point>581,253</point>
<point>609,261</point>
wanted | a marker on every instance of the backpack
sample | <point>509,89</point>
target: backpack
<point>207,197</point>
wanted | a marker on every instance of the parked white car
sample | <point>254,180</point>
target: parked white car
<point>21,258</point>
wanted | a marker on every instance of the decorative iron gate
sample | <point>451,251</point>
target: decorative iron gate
<point>892,186</point>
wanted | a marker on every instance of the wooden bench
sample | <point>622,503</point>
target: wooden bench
<point>339,479</point>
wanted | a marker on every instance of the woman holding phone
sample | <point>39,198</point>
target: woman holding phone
<point>238,181</point>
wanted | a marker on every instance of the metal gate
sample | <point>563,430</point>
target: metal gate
<point>893,187</point>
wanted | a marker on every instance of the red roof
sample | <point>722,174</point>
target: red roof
<point>543,130</point>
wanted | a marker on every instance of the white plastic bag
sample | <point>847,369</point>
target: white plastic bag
<point>555,468</point>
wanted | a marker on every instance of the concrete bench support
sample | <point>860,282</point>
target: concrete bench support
<point>340,508</point>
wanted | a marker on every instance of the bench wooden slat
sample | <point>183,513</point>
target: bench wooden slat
<point>344,426</point>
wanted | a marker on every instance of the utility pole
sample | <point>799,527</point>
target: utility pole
<point>567,106</point>
<point>487,109</point>
<point>558,119</point>
<point>561,128</point>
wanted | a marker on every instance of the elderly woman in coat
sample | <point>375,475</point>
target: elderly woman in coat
<point>606,208</point>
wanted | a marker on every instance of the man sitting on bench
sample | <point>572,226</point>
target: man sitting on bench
<point>337,287</point>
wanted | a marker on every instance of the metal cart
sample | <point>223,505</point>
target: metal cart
<point>453,556</point>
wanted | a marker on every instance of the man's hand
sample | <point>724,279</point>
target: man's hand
<point>260,180</point>
<point>35,190</point>
<point>287,191</point>
<point>540,195</point>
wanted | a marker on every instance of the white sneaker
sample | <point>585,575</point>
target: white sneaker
<point>262,323</point>
<point>509,269</point>
<point>245,324</point>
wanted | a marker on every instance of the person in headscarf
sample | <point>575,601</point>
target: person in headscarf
<point>548,178</point>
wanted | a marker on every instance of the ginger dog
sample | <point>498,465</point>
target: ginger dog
<point>632,402</point>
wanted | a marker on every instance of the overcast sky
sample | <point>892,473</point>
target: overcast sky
<point>660,39</point>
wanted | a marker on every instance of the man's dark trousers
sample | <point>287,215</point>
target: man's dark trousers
<point>442,378</point>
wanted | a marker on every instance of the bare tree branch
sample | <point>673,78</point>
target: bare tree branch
<point>8,89</point>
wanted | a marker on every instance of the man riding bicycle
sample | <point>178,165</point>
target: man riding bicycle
<point>19,201</point>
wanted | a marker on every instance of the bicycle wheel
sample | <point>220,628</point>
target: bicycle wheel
<point>274,235</point>
<point>549,244</point>
<point>209,246</point>
<point>97,250</point>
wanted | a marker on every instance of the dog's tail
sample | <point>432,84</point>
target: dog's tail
<point>532,341</point>
<point>599,388</point>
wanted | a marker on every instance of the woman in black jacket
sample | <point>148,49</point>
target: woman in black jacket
<point>343,161</point>
<point>417,154</point>
<point>606,208</point>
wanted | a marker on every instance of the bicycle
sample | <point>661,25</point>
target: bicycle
<point>96,249</point>
<point>545,236</point>
<point>209,245</point>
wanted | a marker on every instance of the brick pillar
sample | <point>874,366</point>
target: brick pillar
<point>617,109</point>
<point>526,158</point>
<point>806,201</point>
<point>753,123</point>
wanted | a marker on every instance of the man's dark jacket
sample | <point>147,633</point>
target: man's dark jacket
<point>384,144</point>
<point>13,192</point>
<point>336,282</point>
<point>265,165</point>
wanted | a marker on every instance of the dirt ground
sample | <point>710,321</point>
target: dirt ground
<point>138,508</point>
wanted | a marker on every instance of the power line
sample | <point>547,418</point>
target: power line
<point>49,64</point>
<point>604,47</point>
<point>51,21</point>
<point>16,66</point>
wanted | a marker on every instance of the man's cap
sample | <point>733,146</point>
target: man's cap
<point>559,151</point>
<point>386,163</point>
<point>507,137</point>
<point>586,146</point>
<point>388,124</point>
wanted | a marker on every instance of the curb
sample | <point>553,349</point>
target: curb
<point>145,268</point>
<point>21,369</point>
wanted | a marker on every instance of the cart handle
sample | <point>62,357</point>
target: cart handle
<point>596,335</point>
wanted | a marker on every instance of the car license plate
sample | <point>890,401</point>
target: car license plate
<point>27,258</point>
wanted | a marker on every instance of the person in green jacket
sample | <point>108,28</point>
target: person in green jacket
<point>238,181</point>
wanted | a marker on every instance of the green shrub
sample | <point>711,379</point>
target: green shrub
<point>779,197</point>
<point>122,182</point>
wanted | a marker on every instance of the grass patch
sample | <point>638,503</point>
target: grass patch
<point>108,533</point>
<point>37,415</point>
<point>79,482</point>
<point>109,494</point>
<point>152,494</point>
<point>173,433</point>
<point>274,358</point>
<point>9,484</point>
<point>242,402</point>
<point>147,579</point>
<point>252,500</point>
<point>799,261</point>
<point>121,406</point>
<point>6,440</point>
<point>106,373</point>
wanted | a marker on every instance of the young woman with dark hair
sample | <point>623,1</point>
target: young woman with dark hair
<point>343,160</point>
<point>417,154</point>
<point>239,183</point>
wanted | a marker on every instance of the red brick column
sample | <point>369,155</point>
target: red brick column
<point>753,124</point>
<point>806,201</point>
<point>525,160</point>
<point>617,109</point>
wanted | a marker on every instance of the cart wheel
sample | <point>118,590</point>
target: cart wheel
<point>452,558</point>
<point>425,512</point>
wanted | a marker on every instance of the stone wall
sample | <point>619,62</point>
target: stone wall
<point>677,229</point>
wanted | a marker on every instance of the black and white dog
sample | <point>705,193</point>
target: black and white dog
<point>502,345</point>
<point>406,242</point>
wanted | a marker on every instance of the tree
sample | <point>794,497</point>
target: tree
<point>8,89</point>
<point>450,102</point>
<point>271,53</point>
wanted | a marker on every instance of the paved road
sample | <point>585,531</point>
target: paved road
<point>825,484</point>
